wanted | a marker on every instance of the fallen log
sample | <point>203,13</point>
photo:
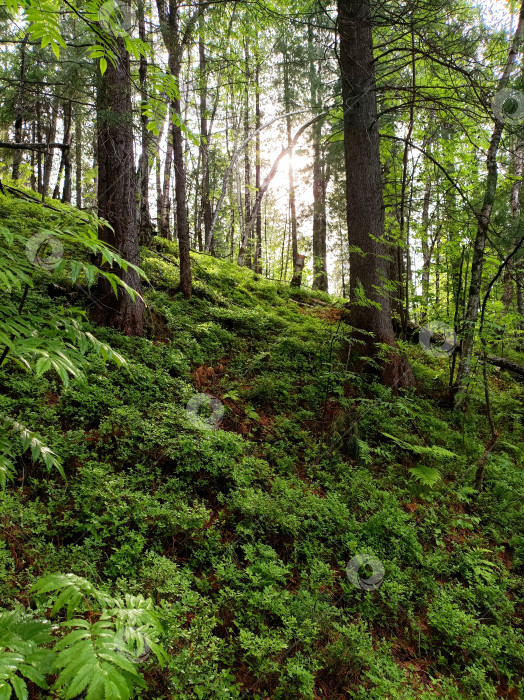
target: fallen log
<point>505,364</point>
<point>33,146</point>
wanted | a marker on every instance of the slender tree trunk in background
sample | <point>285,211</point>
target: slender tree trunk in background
<point>95,162</point>
<point>33,158</point>
<point>145,225</point>
<point>514,202</point>
<point>320,278</point>
<point>240,260</point>
<point>165,199</point>
<point>182,222</point>
<point>158,173</point>
<point>365,207</point>
<point>267,181</point>
<point>117,193</point>
<point>51,137</point>
<point>484,219</point>
<point>66,154</point>
<point>519,277</point>
<point>78,159</point>
<point>405,269</point>
<point>247,161</point>
<point>169,27</point>
<point>19,110</point>
<point>205,203</point>
<point>39,180</point>
<point>437,275</point>
<point>257,265</point>
<point>427,249</point>
<point>296,279</point>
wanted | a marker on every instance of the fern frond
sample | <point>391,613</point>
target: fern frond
<point>22,654</point>
<point>73,589</point>
<point>427,476</point>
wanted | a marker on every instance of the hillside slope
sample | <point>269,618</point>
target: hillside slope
<point>241,524</point>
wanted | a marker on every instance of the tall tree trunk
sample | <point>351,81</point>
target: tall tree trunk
<point>39,179</point>
<point>51,137</point>
<point>427,249</point>
<point>484,219</point>
<point>145,225</point>
<point>95,164</point>
<point>158,172</point>
<point>66,153</point>
<point>165,198</point>
<point>247,161</point>
<point>514,202</point>
<point>19,109</point>
<point>169,26</point>
<point>205,202</point>
<point>365,210</point>
<point>298,265</point>
<point>33,158</point>
<point>320,278</point>
<point>182,221</point>
<point>78,158</point>
<point>257,265</point>
<point>117,194</point>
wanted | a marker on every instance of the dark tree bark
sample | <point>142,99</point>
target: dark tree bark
<point>117,193</point>
<point>145,226</point>
<point>33,159</point>
<point>39,180</point>
<point>78,159</point>
<point>365,210</point>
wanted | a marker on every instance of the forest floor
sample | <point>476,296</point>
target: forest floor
<point>241,526</point>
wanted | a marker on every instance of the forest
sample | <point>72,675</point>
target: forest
<point>261,349</point>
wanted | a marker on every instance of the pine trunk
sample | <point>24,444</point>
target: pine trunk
<point>365,207</point>
<point>117,193</point>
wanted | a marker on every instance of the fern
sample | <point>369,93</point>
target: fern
<point>100,653</point>
<point>434,451</point>
<point>427,476</point>
<point>55,342</point>
<point>23,653</point>
<point>29,441</point>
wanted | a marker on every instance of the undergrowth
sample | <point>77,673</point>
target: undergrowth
<point>207,559</point>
